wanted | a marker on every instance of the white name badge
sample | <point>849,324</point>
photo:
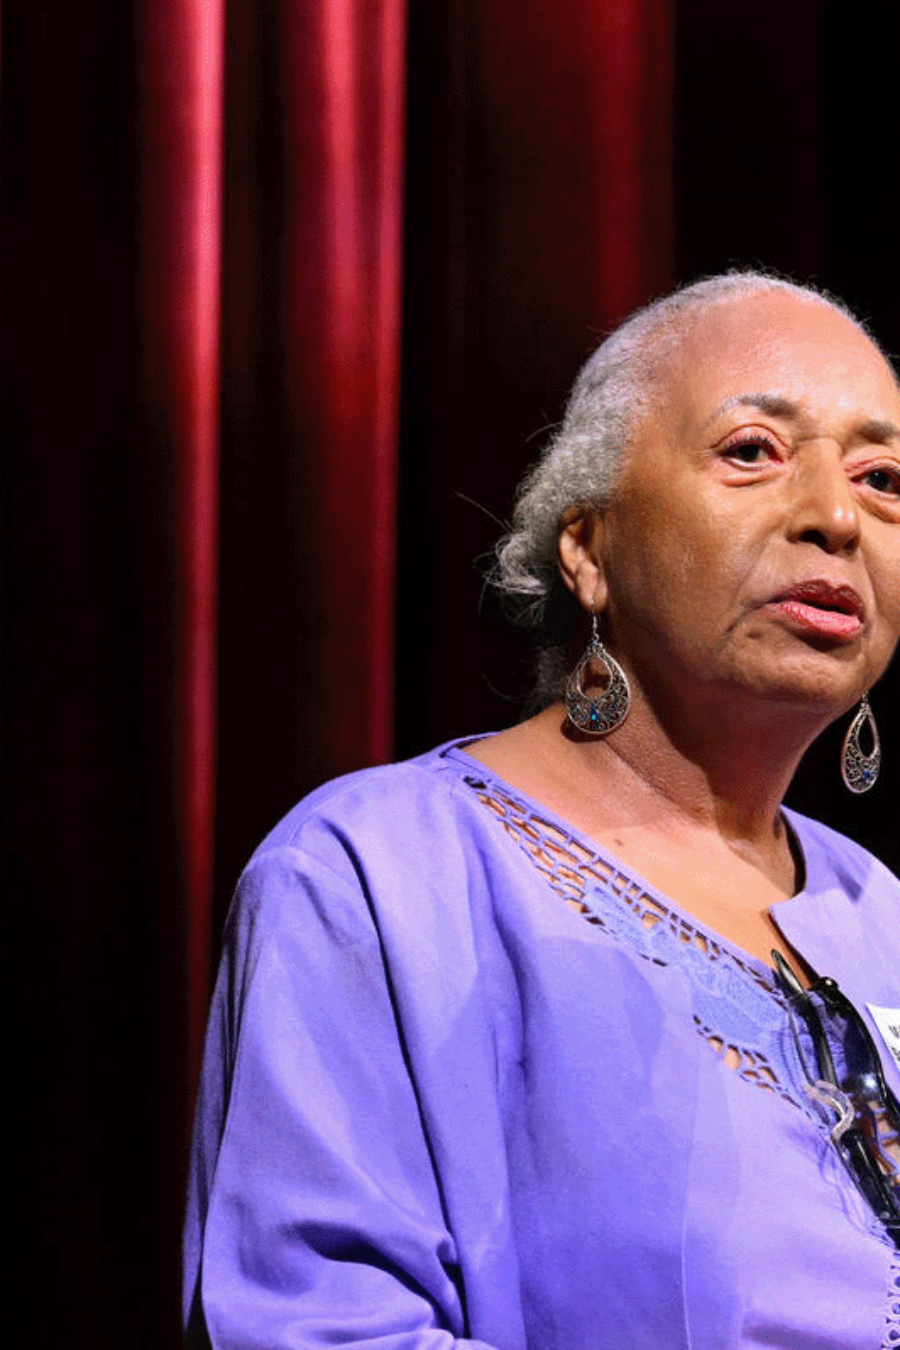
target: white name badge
<point>887,1020</point>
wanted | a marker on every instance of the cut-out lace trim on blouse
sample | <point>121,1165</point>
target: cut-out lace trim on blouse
<point>892,1329</point>
<point>737,1010</point>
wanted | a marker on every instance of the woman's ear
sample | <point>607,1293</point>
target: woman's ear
<point>580,556</point>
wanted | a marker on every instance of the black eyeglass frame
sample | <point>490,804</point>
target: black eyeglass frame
<point>850,1139</point>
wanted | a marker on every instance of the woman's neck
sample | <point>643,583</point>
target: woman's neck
<point>716,784</point>
<point>710,838</point>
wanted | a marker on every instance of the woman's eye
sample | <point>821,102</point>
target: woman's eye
<point>883,480</point>
<point>750,451</point>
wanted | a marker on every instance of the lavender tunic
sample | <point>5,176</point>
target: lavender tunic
<point>440,1106</point>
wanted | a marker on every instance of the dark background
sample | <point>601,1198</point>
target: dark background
<point>562,164</point>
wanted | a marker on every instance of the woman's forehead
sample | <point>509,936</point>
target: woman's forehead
<point>775,348</point>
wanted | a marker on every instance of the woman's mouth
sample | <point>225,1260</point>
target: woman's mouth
<point>822,610</point>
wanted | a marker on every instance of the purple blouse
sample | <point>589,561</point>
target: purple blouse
<point>442,1105</point>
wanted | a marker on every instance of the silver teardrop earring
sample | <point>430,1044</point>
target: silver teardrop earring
<point>858,769</point>
<point>600,714</point>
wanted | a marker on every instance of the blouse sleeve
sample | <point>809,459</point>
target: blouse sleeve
<point>315,1215</point>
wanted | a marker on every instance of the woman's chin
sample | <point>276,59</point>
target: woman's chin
<point>825,690</point>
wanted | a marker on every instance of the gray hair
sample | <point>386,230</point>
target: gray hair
<point>582,464</point>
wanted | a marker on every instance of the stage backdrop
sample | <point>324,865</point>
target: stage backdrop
<point>291,294</point>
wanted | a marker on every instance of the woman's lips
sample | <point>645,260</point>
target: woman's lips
<point>823,622</point>
<point>822,610</point>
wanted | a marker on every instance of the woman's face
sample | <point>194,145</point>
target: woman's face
<point>755,543</point>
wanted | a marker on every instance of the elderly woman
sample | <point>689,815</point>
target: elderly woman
<point>573,1036</point>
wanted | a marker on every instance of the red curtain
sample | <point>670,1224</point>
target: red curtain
<point>201,266</point>
<point>311,365</point>
<point>285,289</point>
<point>539,212</point>
<point>179,160</point>
<point>320,220</point>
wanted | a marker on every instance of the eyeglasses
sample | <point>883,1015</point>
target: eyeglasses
<point>849,1080</point>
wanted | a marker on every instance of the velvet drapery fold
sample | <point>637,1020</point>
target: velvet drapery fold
<point>327,241</point>
<point>180,170</point>
<point>201,271</point>
<point>546,218</point>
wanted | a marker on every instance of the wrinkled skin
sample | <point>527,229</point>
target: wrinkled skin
<point>731,499</point>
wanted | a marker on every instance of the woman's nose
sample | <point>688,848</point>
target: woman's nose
<point>824,510</point>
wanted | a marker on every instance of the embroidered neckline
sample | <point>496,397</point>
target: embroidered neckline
<point>738,1010</point>
<point>892,1328</point>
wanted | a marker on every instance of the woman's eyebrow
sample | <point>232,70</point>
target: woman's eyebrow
<point>877,430</point>
<point>774,405</point>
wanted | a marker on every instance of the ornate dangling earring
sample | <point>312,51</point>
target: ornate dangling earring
<point>858,769</point>
<point>600,715</point>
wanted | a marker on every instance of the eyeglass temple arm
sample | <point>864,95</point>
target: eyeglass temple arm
<point>794,991</point>
<point>836,996</point>
<point>790,984</point>
<point>874,1186</point>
